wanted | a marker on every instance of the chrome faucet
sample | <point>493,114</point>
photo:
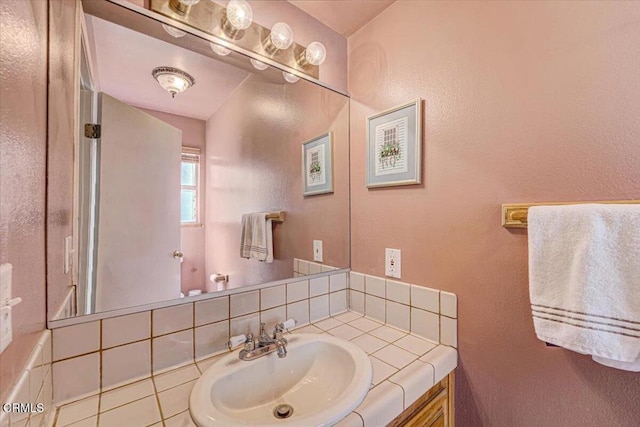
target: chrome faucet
<point>266,343</point>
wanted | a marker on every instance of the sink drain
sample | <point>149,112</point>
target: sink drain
<point>283,411</point>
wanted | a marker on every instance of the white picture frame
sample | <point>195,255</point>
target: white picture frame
<point>317,165</point>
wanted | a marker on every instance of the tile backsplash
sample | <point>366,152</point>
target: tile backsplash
<point>425,312</point>
<point>100,355</point>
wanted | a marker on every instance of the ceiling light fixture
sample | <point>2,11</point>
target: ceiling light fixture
<point>173,31</point>
<point>238,17</point>
<point>173,80</point>
<point>280,38</point>
<point>182,6</point>
<point>259,65</point>
<point>291,78</point>
<point>219,50</point>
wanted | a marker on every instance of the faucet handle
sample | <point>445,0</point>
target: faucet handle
<point>236,341</point>
<point>287,324</point>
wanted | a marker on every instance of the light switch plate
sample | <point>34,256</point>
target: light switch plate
<point>6,330</point>
<point>317,250</point>
<point>392,263</point>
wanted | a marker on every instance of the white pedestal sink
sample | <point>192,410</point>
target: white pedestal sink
<point>323,379</point>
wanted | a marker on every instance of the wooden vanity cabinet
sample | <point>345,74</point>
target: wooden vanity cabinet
<point>432,409</point>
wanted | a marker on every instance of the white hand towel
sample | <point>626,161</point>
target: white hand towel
<point>584,279</point>
<point>256,240</point>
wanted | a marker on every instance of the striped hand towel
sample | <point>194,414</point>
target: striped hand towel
<point>256,240</point>
<point>584,280</point>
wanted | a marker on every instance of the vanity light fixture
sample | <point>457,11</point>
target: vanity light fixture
<point>314,54</point>
<point>238,17</point>
<point>173,80</point>
<point>182,6</point>
<point>219,50</point>
<point>258,65</point>
<point>291,78</point>
<point>173,31</point>
<point>280,38</point>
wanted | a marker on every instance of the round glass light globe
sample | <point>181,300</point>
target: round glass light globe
<point>189,2</point>
<point>239,14</point>
<point>315,53</point>
<point>291,78</point>
<point>259,65</point>
<point>173,31</point>
<point>281,35</point>
<point>219,50</point>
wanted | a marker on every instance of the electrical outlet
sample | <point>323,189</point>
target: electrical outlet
<point>393,263</point>
<point>317,250</point>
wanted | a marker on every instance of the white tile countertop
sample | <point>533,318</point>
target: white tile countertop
<point>404,367</point>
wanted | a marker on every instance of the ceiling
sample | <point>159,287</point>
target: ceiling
<point>124,59</point>
<point>343,16</point>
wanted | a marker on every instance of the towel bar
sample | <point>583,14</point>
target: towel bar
<point>514,215</point>
<point>276,216</point>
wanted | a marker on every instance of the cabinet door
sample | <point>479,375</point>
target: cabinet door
<point>432,414</point>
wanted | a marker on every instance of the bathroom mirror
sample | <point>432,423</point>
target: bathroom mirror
<point>163,183</point>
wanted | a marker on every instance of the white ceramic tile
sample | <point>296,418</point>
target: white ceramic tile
<point>36,375</point>
<point>309,329</point>
<point>245,325</point>
<point>443,359</point>
<point>297,291</point>
<point>295,265</point>
<point>415,345</point>
<point>369,343</point>
<point>272,317</point>
<point>356,301</point>
<point>338,282</point>
<point>395,356</point>
<point>398,315</point>
<point>123,395</point>
<point>337,302</point>
<point>295,275</point>
<point>299,311</point>
<point>415,380</point>
<point>126,363</point>
<point>345,332</point>
<point>425,324</point>
<point>46,394</point>
<point>77,411</point>
<point>126,329</point>
<point>76,377</point>
<point>176,377</point>
<point>326,268</point>
<point>318,286</point>
<point>87,422</point>
<point>142,412</point>
<point>172,319</point>
<point>352,420</point>
<point>382,404</point>
<point>47,349</point>
<point>20,394</point>
<point>244,303</point>
<point>365,324</point>
<point>374,307</point>
<point>211,338</point>
<point>381,370</point>
<point>448,304</point>
<point>211,311</point>
<point>348,316</point>
<point>303,267</point>
<point>327,324</point>
<point>315,268</point>
<point>448,331</point>
<point>318,308</point>
<point>204,364</point>
<point>356,281</point>
<point>374,286</point>
<point>387,333</point>
<point>183,419</point>
<point>273,297</point>
<point>74,340</point>
<point>175,400</point>
<point>398,291</point>
<point>172,349</point>
<point>425,298</point>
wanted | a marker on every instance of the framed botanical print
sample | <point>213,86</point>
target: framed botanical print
<point>317,165</point>
<point>394,146</point>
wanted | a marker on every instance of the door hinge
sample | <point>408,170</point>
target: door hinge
<point>92,131</point>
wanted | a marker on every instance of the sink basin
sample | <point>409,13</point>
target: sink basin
<point>323,378</point>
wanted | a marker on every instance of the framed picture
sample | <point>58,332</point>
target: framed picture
<point>394,146</point>
<point>317,165</point>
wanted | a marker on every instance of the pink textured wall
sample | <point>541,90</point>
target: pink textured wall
<point>64,33</point>
<point>23,132</point>
<point>191,238</point>
<point>523,102</point>
<point>254,164</point>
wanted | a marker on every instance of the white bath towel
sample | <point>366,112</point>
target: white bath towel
<point>584,280</point>
<point>257,237</point>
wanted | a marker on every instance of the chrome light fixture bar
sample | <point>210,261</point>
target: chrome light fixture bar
<point>227,25</point>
